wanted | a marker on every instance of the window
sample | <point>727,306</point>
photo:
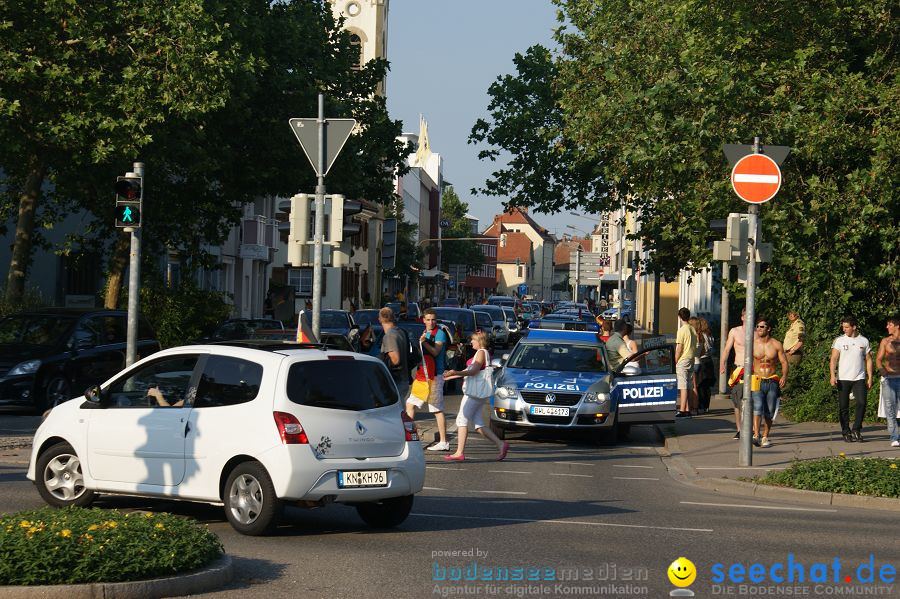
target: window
<point>171,376</point>
<point>353,385</point>
<point>89,332</point>
<point>228,381</point>
<point>356,47</point>
<point>301,279</point>
<point>115,330</point>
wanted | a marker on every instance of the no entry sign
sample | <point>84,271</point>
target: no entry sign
<point>756,178</point>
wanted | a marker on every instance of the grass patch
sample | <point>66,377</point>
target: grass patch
<point>878,477</point>
<point>77,545</point>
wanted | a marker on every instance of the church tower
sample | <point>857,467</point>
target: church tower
<point>366,21</point>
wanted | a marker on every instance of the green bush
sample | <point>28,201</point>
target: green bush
<point>182,314</point>
<point>77,545</point>
<point>878,477</point>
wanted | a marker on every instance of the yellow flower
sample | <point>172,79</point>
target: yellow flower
<point>842,454</point>
<point>25,524</point>
<point>148,514</point>
<point>160,526</point>
<point>112,524</point>
<point>894,466</point>
<point>66,532</point>
<point>32,530</point>
<point>93,527</point>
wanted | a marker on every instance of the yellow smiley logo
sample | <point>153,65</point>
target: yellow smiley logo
<point>682,572</point>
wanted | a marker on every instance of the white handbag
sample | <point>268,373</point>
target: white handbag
<point>481,385</point>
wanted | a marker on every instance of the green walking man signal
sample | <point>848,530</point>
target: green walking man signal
<point>129,199</point>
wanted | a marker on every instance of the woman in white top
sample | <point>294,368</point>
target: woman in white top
<point>471,408</point>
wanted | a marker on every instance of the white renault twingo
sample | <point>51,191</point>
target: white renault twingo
<point>251,425</point>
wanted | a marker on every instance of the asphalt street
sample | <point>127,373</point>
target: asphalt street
<point>576,518</point>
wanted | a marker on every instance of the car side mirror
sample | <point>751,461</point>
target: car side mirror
<point>92,394</point>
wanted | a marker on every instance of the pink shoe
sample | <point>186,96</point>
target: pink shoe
<point>455,458</point>
<point>503,451</point>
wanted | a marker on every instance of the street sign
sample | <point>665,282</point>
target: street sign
<point>756,178</point>
<point>336,133</point>
<point>734,152</point>
<point>600,272</point>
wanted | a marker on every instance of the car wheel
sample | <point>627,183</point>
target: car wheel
<point>498,430</point>
<point>250,502</point>
<point>60,481</point>
<point>386,513</point>
<point>56,391</point>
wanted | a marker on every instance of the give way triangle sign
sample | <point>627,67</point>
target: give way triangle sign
<point>336,133</point>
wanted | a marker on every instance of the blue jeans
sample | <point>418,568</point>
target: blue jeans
<point>764,400</point>
<point>891,399</point>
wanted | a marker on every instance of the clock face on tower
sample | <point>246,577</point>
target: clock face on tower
<point>353,9</point>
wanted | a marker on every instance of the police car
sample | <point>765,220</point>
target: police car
<point>560,379</point>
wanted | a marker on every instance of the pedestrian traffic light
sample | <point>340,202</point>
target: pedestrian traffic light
<point>341,226</point>
<point>129,195</point>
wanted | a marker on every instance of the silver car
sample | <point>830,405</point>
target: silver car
<point>501,326</point>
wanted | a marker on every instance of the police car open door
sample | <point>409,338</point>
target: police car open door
<point>644,386</point>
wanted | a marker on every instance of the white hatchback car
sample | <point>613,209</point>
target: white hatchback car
<point>248,424</point>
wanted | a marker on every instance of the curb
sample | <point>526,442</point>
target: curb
<point>213,577</point>
<point>681,469</point>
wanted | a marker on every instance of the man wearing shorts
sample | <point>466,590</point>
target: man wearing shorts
<point>685,348</point>
<point>433,341</point>
<point>735,341</point>
<point>766,350</point>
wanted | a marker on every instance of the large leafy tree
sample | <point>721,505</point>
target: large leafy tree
<point>82,82</point>
<point>454,210</point>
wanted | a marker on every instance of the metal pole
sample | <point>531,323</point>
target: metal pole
<point>746,448</point>
<point>577,272</point>
<point>320,222</point>
<point>723,326</point>
<point>134,278</point>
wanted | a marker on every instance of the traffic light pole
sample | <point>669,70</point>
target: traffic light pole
<point>320,221</point>
<point>134,277</point>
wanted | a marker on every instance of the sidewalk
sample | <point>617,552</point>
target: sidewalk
<point>703,452</point>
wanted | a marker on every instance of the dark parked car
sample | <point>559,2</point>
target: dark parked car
<point>241,328</point>
<point>341,322</point>
<point>51,355</point>
<point>413,312</point>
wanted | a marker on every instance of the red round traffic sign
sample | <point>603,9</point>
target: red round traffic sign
<point>756,178</point>
<point>600,271</point>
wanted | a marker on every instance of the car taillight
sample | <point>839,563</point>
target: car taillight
<point>409,427</point>
<point>290,429</point>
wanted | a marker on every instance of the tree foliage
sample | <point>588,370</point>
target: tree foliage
<point>212,140</point>
<point>469,253</point>
<point>648,91</point>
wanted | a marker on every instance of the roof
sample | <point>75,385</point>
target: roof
<point>517,246</point>
<point>520,216</point>
<point>562,255</point>
<point>536,335</point>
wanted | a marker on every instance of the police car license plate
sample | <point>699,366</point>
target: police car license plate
<point>549,411</point>
<point>362,478</point>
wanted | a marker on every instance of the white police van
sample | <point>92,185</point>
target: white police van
<point>560,379</point>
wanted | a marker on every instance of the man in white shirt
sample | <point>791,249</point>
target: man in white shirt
<point>851,370</point>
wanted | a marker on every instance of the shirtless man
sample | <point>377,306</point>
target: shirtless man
<point>888,364</point>
<point>735,341</point>
<point>766,349</point>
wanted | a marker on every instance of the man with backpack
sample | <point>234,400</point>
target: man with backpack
<point>395,351</point>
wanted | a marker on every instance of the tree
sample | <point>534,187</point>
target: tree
<point>650,90</point>
<point>454,210</point>
<point>82,82</point>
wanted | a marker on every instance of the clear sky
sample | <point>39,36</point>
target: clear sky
<point>444,55</point>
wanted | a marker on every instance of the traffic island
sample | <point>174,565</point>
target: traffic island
<point>77,552</point>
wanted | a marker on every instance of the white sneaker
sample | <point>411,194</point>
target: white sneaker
<point>445,446</point>
<point>765,442</point>
<point>895,443</point>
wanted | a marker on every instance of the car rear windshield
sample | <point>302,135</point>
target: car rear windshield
<point>34,329</point>
<point>496,312</point>
<point>558,356</point>
<point>341,385</point>
<point>464,318</point>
